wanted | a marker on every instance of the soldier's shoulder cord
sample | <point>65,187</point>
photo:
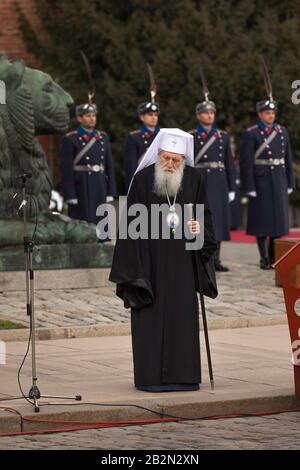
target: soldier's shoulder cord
<point>219,133</point>
<point>71,134</point>
<point>105,134</point>
<point>136,132</point>
<point>252,128</point>
<point>192,131</point>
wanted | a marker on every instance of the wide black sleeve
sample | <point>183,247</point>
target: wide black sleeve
<point>204,259</point>
<point>131,263</point>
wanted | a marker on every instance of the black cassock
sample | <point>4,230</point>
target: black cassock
<point>158,279</point>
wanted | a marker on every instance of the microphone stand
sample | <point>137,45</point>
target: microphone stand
<point>34,392</point>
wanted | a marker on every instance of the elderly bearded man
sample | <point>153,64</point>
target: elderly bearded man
<point>157,277</point>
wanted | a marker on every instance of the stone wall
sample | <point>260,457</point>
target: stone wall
<point>11,40</point>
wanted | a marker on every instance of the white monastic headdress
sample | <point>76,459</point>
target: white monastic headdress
<point>171,140</point>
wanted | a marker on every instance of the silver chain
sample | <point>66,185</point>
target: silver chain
<point>169,202</point>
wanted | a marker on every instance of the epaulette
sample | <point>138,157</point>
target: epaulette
<point>252,127</point>
<point>103,133</point>
<point>72,133</point>
<point>192,131</point>
<point>223,132</point>
<point>135,132</point>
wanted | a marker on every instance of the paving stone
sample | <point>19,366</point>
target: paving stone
<point>243,293</point>
<point>261,433</point>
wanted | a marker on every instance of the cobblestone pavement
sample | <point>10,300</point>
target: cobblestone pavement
<point>270,432</point>
<point>245,291</point>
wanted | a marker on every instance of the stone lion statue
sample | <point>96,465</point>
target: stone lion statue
<point>35,105</point>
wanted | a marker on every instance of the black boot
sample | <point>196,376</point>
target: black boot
<point>218,266</point>
<point>272,249</point>
<point>264,258</point>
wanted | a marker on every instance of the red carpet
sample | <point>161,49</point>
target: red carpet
<point>239,236</point>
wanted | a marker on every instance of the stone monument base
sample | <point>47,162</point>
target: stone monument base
<point>58,266</point>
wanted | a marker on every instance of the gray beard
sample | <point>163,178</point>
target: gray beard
<point>167,182</point>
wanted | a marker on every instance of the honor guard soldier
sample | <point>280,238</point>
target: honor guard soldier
<point>138,141</point>
<point>267,176</point>
<point>213,158</point>
<point>87,172</point>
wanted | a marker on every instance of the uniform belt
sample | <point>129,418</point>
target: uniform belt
<point>270,161</point>
<point>213,165</point>
<point>94,168</point>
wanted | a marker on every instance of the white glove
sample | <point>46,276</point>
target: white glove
<point>72,202</point>
<point>252,193</point>
<point>57,198</point>
<point>290,190</point>
<point>109,198</point>
<point>231,196</point>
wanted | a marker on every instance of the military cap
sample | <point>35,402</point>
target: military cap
<point>204,106</point>
<point>86,108</point>
<point>147,107</point>
<point>266,105</point>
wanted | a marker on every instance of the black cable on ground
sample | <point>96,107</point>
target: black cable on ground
<point>21,366</point>
<point>182,418</point>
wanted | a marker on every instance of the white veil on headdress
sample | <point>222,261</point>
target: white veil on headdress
<point>172,140</point>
